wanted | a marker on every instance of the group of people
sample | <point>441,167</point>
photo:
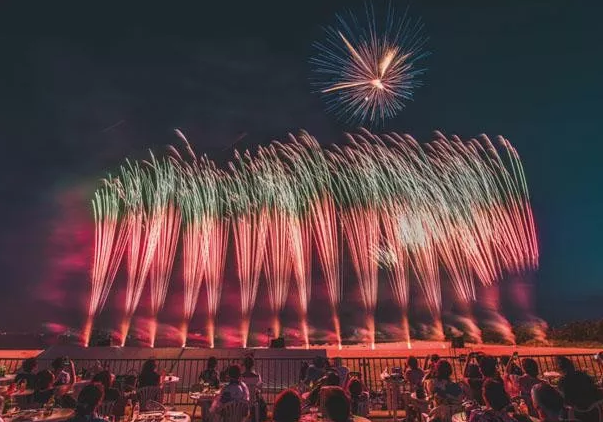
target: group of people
<point>505,389</point>
<point>55,386</point>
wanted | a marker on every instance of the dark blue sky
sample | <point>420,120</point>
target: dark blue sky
<point>85,84</point>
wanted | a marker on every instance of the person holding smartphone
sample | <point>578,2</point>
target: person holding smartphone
<point>63,370</point>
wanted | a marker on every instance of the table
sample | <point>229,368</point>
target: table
<point>7,379</point>
<point>58,415</point>
<point>169,416</point>
<point>315,416</point>
<point>171,380</point>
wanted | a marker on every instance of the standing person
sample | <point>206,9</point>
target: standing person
<point>359,397</point>
<point>342,370</point>
<point>443,386</point>
<point>29,367</point>
<point>149,375</point>
<point>413,374</point>
<point>210,374</point>
<point>88,401</point>
<point>233,391</point>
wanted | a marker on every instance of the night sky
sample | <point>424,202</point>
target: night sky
<point>83,85</point>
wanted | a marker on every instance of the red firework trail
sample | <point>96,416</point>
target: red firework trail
<point>110,239</point>
<point>218,242</point>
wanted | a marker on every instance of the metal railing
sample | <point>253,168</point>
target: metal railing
<point>280,373</point>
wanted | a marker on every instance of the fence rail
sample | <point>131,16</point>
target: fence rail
<point>280,373</point>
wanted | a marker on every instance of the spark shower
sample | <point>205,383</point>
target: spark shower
<point>388,202</point>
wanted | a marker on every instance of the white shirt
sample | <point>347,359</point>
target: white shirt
<point>232,391</point>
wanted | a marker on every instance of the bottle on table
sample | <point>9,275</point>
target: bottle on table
<point>136,411</point>
<point>128,410</point>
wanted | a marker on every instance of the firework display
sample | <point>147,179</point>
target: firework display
<point>367,70</point>
<point>444,212</point>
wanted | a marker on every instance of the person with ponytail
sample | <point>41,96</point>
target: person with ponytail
<point>88,401</point>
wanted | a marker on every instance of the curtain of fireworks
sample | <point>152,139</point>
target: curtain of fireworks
<point>414,209</point>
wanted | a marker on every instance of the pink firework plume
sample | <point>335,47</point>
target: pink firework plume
<point>167,242</point>
<point>314,178</point>
<point>277,263</point>
<point>144,233</point>
<point>110,239</point>
<point>250,229</point>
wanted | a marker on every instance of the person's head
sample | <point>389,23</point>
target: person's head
<point>579,390</point>
<point>149,365</point>
<point>487,366</point>
<point>413,362</point>
<point>565,365</point>
<point>473,371</point>
<point>248,363</point>
<point>332,378</point>
<point>547,402</point>
<point>318,362</point>
<point>44,380</point>
<point>337,405</point>
<point>234,372</point>
<point>434,358</point>
<point>443,370</point>
<point>212,362</point>
<point>354,387</point>
<point>287,406</point>
<point>58,363</point>
<point>89,398</point>
<point>105,378</point>
<point>530,367</point>
<point>494,395</point>
<point>30,365</point>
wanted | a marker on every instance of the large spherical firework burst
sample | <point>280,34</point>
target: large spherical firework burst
<point>367,71</point>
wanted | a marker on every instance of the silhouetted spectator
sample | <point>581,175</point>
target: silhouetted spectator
<point>287,407</point>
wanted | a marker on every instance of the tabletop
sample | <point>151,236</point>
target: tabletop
<point>170,378</point>
<point>315,416</point>
<point>169,416</point>
<point>20,393</point>
<point>58,415</point>
<point>8,378</point>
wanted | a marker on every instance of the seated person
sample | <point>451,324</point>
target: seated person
<point>233,391</point>
<point>287,407</point>
<point>27,373</point>
<point>249,376</point>
<point>210,374</point>
<point>44,388</point>
<point>580,392</point>
<point>330,379</point>
<point>443,386</point>
<point>342,370</point>
<point>488,366</point>
<point>413,374</point>
<point>107,379</point>
<point>88,401</point>
<point>337,405</point>
<point>315,371</point>
<point>524,383</point>
<point>548,403</point>
<point>63,370</point>
<point>359,396</point>
<point>474,381</point>
<point>149,376</point>
<point>498,404</point>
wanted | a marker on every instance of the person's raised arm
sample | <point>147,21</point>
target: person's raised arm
<point>71,373</point>
<point>467,362</point>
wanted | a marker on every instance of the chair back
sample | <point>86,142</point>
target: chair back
<point>362,408</point>
<point>150,393</point>
<point>105,408</point>
<point>235,411</point>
